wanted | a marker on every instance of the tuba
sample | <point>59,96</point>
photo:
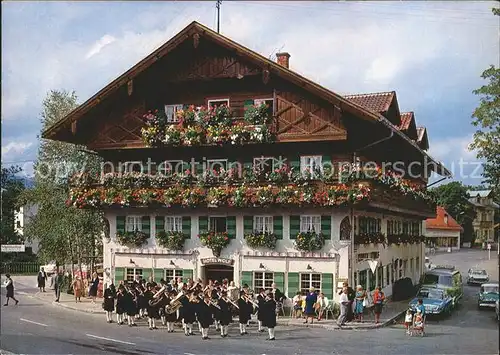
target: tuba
<point>175,304</point>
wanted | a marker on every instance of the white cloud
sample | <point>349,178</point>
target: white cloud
<point>99,45</point>
<point>453,149</point>
<point>14,148</point>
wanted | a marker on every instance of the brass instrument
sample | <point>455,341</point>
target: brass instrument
<point>228,300</point>
<point>249,300</point>
<point>174,304</point>
<point>162,290</point>
<point>215,304</point>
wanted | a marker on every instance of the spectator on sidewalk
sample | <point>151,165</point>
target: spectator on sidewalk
<point>351,295</point>
<point>77,288</point>
<point>94,286</point>
<point>311,299</point>
<point>9,285</point>
<point>378,302</point>
<point>344,307</point>
<point>41,279</point>
<point>58,280</point>
<point>360,303</point>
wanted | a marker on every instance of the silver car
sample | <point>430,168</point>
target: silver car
<point>477,277</point>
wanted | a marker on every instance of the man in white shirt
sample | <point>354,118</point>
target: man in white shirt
<point>297,305</point>
<point>323,304</point>
<point>344,307</point>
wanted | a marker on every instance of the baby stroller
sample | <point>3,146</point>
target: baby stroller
<point>418,324</point>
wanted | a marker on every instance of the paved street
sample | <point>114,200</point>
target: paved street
<point>34,327</point>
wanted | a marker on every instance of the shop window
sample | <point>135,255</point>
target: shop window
<point>262,280</point>
<point>310,280</point>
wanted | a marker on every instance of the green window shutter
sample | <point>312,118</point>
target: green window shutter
<point>159,224</point>
<point>279,280</point>
<point>231,226</point>
<point>327,285</point>
<point>187,274</point>
<point>247,225</point>
<point>186,226</point>
<point>293,283</point>
<point>247,278</point>
<point>120,224</point>
<point>326,227</point>
<point>326,159</point>
<point>294,226</point>
<point>146,225</point>
<point>247,103</point>
<point>278,226</point>
<point>146,273</point>
<point>119,275</point>
<point>158,274</point>
<point>202,224</point>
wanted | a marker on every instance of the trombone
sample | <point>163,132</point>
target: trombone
<point>249,300</point>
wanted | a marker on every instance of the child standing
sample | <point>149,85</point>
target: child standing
<point>408,321</point>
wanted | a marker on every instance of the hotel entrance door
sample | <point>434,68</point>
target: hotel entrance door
<point>219,273</point>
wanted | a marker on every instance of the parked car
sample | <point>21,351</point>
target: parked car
<point>488,295</point>
<point>444,277</point>
<point>435,300</point>
<point>497,309</point>
<point>50,268</point>
<point>477,277</point>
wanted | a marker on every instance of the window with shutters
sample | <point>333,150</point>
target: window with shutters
<point>263,224</point>
<point>345,229</point>
<point>173,224</point>
<point>172,274</point>
<point>264,164</point>
<point>218,102</point>
<point>311,164</point>
<point>217,165</point>
<point>217,224</point>
<point>372,280</point>
<point>133,223</point>
<point>310,280</point>
<point>362,278</point>
<point>171,112</point>
<point>380,276</point>
<point>262,280</point>
<point>132,274</point>
<point>310,224</point>
<point>268,102</point>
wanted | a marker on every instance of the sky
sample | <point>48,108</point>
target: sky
<point>431,53</point>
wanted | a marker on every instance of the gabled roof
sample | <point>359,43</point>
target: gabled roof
<point>265,63</point>
<point>376,102</point>
<point>422,139</point>
<point>439,221</point>
<point>480,193</point>
<point>406,118</point>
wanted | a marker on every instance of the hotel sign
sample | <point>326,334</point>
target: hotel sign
<point>217,261</point>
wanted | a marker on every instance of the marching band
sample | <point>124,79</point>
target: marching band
<point>191,303</point>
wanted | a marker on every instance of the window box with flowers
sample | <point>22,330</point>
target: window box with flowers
<point>171,240</point>
<point>132,239</point>
<point>309,241</point>
<point>261,240</point>
<point>215,241</point>
<point>369,238</point>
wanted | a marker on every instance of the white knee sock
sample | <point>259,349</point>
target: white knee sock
<point>260,326</point>
<point>150,322</point>
<point>216,325</point>
<point>199,327</point>
<point>204,332</point>
<point>222,329</point>
<point>243,328</point>
<point>129,319</point>
<point>185,326</point>
<point>190,328</point>
<point>153,321</point>
<point>271,332</point>
<point>163,320</point>
<point>225,329</point>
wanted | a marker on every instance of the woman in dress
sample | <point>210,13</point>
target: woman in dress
<point>311,299</point>
<point>9,285</point>
<point>94,285</point>
<point>360,298</point>
<point>378,302</point>
<point>121,300</point>
<point>41,279</point>
<point>109,303</point>
<point>77,288</point>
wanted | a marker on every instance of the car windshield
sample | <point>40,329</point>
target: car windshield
<point>432,279</point>
<point>424,293</point>
<point>489,289</point>
<point>479,272</point>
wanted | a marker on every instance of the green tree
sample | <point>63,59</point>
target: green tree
<point>12,187</point>
<point>455,200</point>
<point>487,118</point>
<point>65,234</point>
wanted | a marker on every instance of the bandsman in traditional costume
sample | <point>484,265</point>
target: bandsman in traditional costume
<point>205,313</point>
<point>121,300</point>
<point>189,313</point>
<point>152,307</point>
<point>224,314</point>
<point>170,318</point>
<point>131,306</point>
<point>269,313</point>
<point>261,299</point>
<point>108,303</point>
<point>244,312</point>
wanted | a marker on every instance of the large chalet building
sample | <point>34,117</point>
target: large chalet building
<point>220,163</point>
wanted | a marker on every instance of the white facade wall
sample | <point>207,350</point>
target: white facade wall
<point>333,258</point>
<point>444,233</point>
<point>22,216</point>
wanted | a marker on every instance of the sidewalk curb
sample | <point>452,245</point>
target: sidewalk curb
<point>5,352</point>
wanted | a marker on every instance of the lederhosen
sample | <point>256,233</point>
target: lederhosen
<point>244,311</point>
<point>204,313</point>
<point>224,314</point>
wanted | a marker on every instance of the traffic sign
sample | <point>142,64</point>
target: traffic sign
<point>13,248</point>
<point>489,246</point>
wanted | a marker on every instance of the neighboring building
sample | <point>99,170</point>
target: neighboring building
<point>235,173</point>
<point>485,207</point>
<point>443,232</point>
<point>21,217</point>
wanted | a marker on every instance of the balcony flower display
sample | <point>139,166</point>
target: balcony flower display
<point>369,238</point>
<point>132,239</point>
<point>219,196</point>
<point>197,126</point>
<point>309,241</point>
<point>398,239</point>
<point>258,114</point>
<point>171,240</point>
<point>215,241</point>
<point>261,240</point>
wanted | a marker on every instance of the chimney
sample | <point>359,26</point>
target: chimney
<point>445,219</point>
<point>283,59</point>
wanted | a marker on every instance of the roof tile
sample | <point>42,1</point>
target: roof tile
<point>377,102</point>
<point>406,118</point>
